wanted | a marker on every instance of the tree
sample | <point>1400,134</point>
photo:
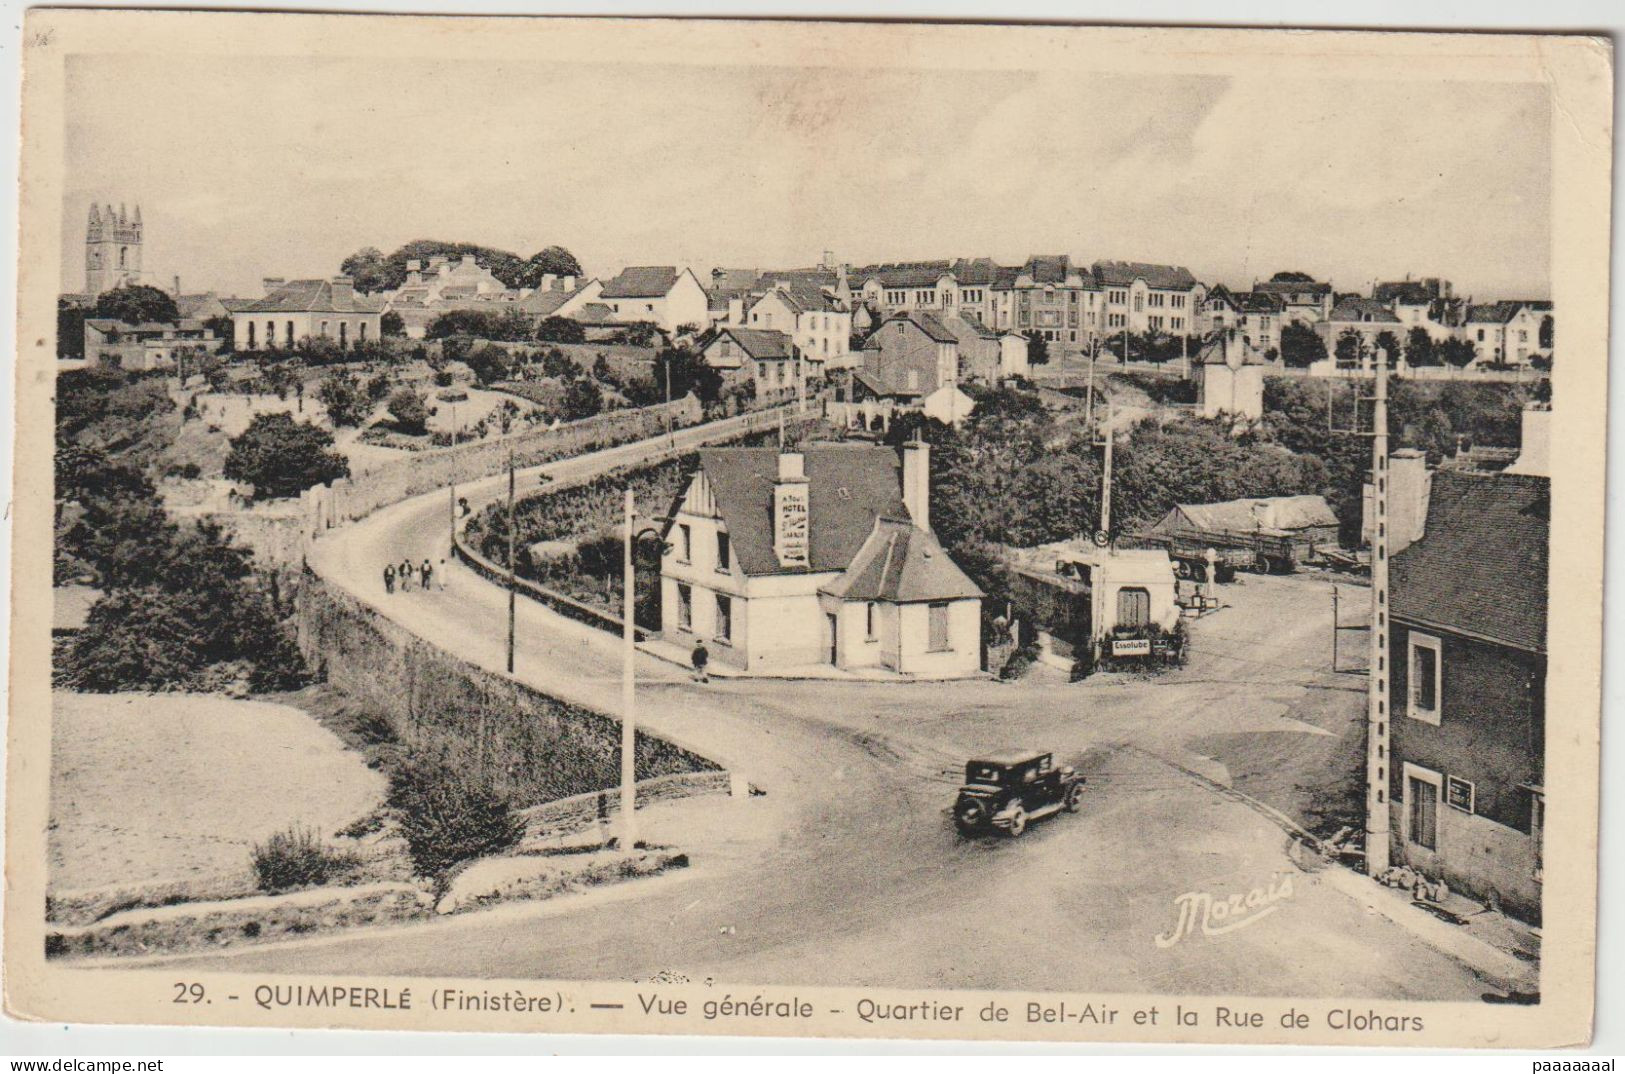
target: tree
<point>560,330</point>
<point>582,399</point>
<point>1546,328</point>
<point>410,414</point>
<point>1419,349</point>
<point>1387,345</point>
<point>1037,349</point>
<point>449,815</point>
<point>1292,277</point>
<point>489,364</point>
<point>554,260</point>
<point>1301,346</point>
<point>1457,352</point>
<point>1349,346</point>
<point>391,324</point>
<point>137,304</point>
<point>281,457</point>
<point>506,325</point>
<point>368,270</point>
<point>70,329</point>
<point>341,395</point>
<point>687,373</point>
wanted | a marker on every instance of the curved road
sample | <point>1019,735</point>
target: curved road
<point>846,871</point>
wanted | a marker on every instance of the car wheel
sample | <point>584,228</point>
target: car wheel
<point>970,819</point>
<point>1074,797</point>
<point>1018,822</point>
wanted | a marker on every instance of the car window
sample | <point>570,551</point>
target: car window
<point>1029,774</point>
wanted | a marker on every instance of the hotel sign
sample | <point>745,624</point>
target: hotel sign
<point>791,541</point>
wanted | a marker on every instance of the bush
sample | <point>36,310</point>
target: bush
<point>341,394</point>
<point>411,415</point>
<point>281,457</point>
<point>296,858</point>
<point>560,330</point>
<point>450,816</point>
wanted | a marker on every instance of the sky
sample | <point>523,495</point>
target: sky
<point>282,166</point>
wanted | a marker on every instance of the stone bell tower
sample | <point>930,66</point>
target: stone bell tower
<point>112,249</point>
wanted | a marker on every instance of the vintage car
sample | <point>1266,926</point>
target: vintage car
<point>1006,791</point>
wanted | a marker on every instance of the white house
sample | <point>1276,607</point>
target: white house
<point>660,294</point>
<point>767,357</point>
<point>1232,379</point>
<point>300,309</point>
<point>818,324</point>
<point>1148,298</point>
<point>1506,332</point>
<point>786,560</point>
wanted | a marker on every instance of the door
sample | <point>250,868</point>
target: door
<point>831,634</point>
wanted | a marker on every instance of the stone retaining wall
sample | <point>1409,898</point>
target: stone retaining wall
<point>533,747</point>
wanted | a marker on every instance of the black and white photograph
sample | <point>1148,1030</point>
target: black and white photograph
<point>808,529</point>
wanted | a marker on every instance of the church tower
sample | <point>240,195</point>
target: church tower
<point>112,249</point>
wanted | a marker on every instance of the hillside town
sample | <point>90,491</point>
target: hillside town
<point>735,569</point>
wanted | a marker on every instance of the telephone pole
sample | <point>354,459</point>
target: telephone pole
<point>1106,476</point>
<point>1377,709</point>
<point>512,593</point>
<point>628,836</point>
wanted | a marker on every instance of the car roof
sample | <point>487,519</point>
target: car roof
<point>1010,758</point>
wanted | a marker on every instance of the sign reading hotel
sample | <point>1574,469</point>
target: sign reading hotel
<point>790,541</point>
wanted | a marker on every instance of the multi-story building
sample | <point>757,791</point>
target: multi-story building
<point>1051,296</point>
<point>1139,297</point>
<point>661,295</point>
<point>788,560</point>
<point>766,357</point>
<point>1429,304</point>
<point>1303,299</point>
<point>293,310</point>
<point>1466,774</point>
<point>1509,332</point>
<point>816,321</point>
<point>146,346</point>
<point>1368,319</point>
<point>1258,316</point>
<point>441,286</point>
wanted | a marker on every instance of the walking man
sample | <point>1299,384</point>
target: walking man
<point>389,578</point>
<point>440,575</point>
<point>406,576</point>
<point>700,658</point>
<point>425,574</point>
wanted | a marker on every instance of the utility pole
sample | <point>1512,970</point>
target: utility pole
<point>1089,405</point>
<point>512,592</point>
<point>1377,714</point>
<point>1334,629</point>
<point>628,695</point>
<point>1106,477</point>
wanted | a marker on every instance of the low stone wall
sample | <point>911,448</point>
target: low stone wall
<point>533,747</point>
<point>580,812</point>
<point>326,506</point>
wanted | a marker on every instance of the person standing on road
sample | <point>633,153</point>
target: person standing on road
<point>700,658</point>
<point>389,578</point>
<point>425,573</point>
<point>405,574</point>
<point>440,575</point>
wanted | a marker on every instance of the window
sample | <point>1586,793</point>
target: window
<point>724,554</point>
<point>685,607</point>
<point>1178,302</point>
<point>871,624</point>
<point>1426,678</point>
<point>324,329</point>
<point>362,331</point>
<point>1422,807</point>
<point>1139,303</point>
<point>1156,322</point>
<point>250,335</point>
<point>684,542</point>
<point>1481,335</point>
<point>288,328</point>
<point>1179,322</point>
<point>344,333</point>
<point>1133,607</point>
<point>1459,793</point>
<point>937,612</point>
<point>725,618</point>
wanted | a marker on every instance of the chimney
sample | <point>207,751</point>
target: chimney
<point>1534,457</point>
<point>548,280</point>
<point>467,262</point>
<point>1409,485</point>
<point>791,519</point>
<point>272,283</point>
<point>343,292</point>
<point>917,482</point>
<point>569,283</point>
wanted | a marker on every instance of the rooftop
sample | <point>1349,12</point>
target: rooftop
<point>642,281</point>
<point>312,296</point>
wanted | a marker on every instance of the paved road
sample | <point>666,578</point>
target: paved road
<point>847,871</point>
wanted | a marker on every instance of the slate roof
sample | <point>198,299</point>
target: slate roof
<point>925,322</point>
<point>1481,565</point>
<point>1363,311</point>
<point>902,273</point>
<point>642,281</point>
<point>594,313</point>
<point>189,305</point>
<point>311,296</point>
<point>1256,302</point>
<point>1244,516</point>
<point>849,487</point>
<point>1493,312</point>
<point>734,279</point>
<point>545,302</point>
<point>964,328</point>
<point>1293,287</point>
<point>760,343</point>
<point>901,563</point>
<point>1048,268</point>
<point>975,271</point>
<point>1159,277</point>
<point>1407,292</point>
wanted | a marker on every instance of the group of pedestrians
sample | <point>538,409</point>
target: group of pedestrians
<point>427,576</point>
